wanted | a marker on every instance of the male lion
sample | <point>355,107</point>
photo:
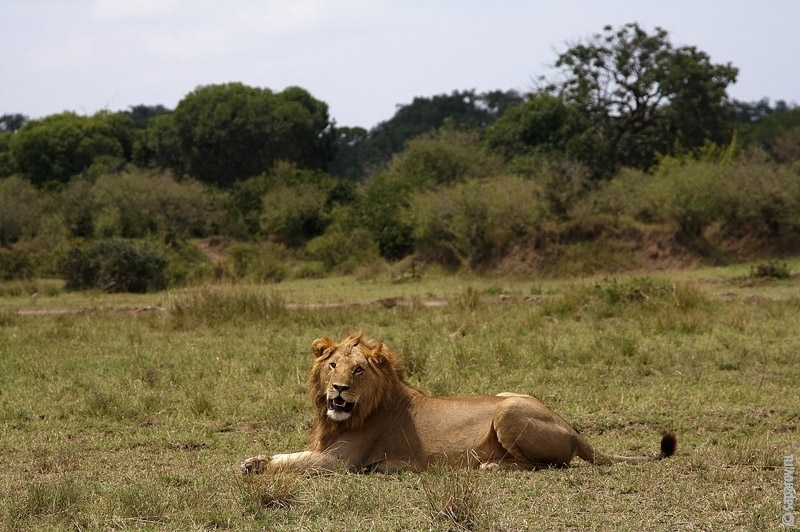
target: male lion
<point>368,418</point>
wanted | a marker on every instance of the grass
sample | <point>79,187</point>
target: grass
<point>136,420</point>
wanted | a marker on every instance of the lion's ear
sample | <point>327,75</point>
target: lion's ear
<point>321,345</point>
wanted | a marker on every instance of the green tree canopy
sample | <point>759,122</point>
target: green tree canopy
<point>362,152</point>
<point>544,122</point>
<point>142,114</point>
<point>9,123</point>
<point>57,147</point>
<point>221,134</point>
<point>643,96</point>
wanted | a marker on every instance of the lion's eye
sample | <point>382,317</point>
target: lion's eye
<point>358,370</point>
<point>332,365</point>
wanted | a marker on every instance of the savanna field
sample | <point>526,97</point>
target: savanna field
<point>132,412</point>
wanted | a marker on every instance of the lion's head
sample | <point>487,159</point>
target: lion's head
<point>351,379</point>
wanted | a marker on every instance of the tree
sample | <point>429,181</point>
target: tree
<point>7,166</point>
<point>772,127</point>
<point>221,134</point>
<point>459,109</point>
<point>142,114</point>
<point>644,97</point>
<point>544,122</point>
<point>756,112</point>
<point>58,147</point>
<point>10,123</point>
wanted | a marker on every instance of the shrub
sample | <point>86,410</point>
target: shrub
<point>337,249</point>
<point>20,210</point>
<point>446,156</point>
<point>261,262</point>
<point>476,221</point>
<point>137,205</point>
<point>770,270</point>
<point>763,196</point>
<point>294,214</point>
<point>115,265</point>
<point>15,264</point>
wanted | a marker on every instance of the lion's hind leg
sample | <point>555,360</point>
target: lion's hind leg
<point>532,435</point>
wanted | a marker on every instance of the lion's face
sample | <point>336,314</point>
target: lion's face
<point>348,374</point>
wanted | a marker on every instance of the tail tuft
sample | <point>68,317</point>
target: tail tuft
<point>668,445</point>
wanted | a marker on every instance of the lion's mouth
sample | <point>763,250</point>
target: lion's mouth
<point>338,404</point>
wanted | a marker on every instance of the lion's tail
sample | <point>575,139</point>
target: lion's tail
<point>669,443</point>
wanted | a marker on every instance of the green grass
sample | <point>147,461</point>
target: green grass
<point>136,420</point>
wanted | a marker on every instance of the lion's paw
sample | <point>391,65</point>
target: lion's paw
<point>255,465</point>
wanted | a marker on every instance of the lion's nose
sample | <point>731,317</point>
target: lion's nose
<point>341,387</point>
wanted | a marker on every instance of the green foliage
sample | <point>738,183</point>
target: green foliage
<point>137,204</point>
<point>750,205</point>
<point>20,210</point>
<point>444,157</point>
<point>763,198</point>
<point>11,123</point>
<point>364,152</point>
<point>644,97</point>
<point>160,145</point>
<point>259,262</point>
<point>693,199</point>
<point>543,122</point>
<point>563,182</point>
<point>142,114</point>
<point>114,265</point>
<point>475,221</point>
<point>58,147</point>
<point>7,165</point>
<point>78,207</point>
<point>294,214</point>
<point>379,209</point>
<point>187,265</point>
<point>770,270</point>
<point>220,134</point>
<point>245,204</point>
<point>15,264</point>
<point>344,251</point>
<point>772,126</point>
<point>786,146</point>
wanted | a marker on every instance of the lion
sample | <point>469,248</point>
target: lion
<point>368,418</point>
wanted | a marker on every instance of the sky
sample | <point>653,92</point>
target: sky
<point>361,57</point>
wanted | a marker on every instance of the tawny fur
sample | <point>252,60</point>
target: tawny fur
<point>368,418</point>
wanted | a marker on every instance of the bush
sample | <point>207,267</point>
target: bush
<point>770,270</point>
<point>15,264</point>
<point>115,265</point>
<point>294,214</point>
<point>137,204</point>
<point>477,220</point>
<point>260,262</point>
<point>346,251</point>
<point>445,157</point>
<point>20,210</point>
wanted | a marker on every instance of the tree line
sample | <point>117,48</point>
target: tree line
<point>264,166</point>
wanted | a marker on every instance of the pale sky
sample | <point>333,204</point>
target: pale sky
<point>361,57</point>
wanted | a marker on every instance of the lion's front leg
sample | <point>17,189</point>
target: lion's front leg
<point>255,464</point>
<point>311,462</point>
